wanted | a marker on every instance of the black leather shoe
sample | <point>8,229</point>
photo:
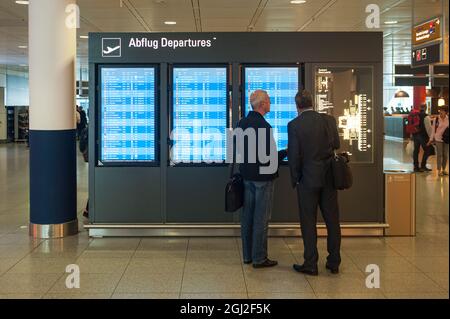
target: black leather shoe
<point>333,270</point>
<point>418,170</point>
<point>247,262</point>
<point>425,169</point>
<point>302,269</point>
<point>266,263</point>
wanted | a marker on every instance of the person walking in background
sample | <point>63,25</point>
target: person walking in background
<point>84,149</point>
<point>78,120</point>
<point>439,136</point>
<point>421,137</point>
<point>81,120</point>
<point>259,187</point>
<point>313,137</point>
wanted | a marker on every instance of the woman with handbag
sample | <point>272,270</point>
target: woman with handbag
<point>439,136</point>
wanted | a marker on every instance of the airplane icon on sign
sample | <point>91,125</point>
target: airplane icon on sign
<point>111,47</point>
<point>110,50</point>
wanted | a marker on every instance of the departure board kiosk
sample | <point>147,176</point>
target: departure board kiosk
<point>162,104</point>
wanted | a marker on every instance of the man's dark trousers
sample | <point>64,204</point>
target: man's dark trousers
<point>309,199</point>
<point>421,141</point>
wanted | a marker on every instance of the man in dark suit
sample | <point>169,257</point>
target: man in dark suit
<point>313,137</point>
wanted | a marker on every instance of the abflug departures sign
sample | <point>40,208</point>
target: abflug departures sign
<point>243,47</point>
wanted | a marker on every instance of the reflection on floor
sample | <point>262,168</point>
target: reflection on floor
<point>211,267</point>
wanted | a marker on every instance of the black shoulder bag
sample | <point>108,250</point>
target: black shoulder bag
<point>342,174</point>
<point>234,191</point>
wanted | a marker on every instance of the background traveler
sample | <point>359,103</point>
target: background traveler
<point>421,137</point>
<point>84,149</point>
<point>439,136</point>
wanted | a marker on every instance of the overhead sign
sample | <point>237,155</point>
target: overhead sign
<point>426,32</point>
<point>426,55</point>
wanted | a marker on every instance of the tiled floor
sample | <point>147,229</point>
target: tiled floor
<point>212,267</point>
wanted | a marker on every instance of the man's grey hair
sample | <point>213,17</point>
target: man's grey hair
<point>257,98</point>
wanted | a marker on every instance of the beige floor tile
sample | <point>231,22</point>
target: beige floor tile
<point>274,281</point>
<point>114,244</point>
<point>408,283</point>
<point>213,283</point>
<point>12,251</point>
<point>89,283</point>
<point>30,265</point>
<point>341,283</point>
<point>60,248</point>
<point>7,263</point>
<point>163,244</point>
<point>213,296</point>
<point>213,244</point>
<point>23,239</point>
<point>158,254</point>
<point>371,252</point>
<point>67,254</point>
<point>362,243</point>
<point>430,264</point>
<point>21,296</point>
<point>145,296</point>
<point>212,256</point>
<point>416,295</point>
<point>281,295</point>
<point>156,265</point>
<point>214,266</point>
<point>77,296</point>
<point>372,295</point>
<point>150,283</point>
<point>391,264</point>
<point>107,254</point>
<point>26,283</point>
<point>422,250</point>
<point>102,265</point>
<point>440,278</point>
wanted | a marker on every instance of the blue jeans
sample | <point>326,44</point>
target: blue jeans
<point>255,220</point>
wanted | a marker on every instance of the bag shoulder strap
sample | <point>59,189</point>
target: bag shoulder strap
<point>233,163</point>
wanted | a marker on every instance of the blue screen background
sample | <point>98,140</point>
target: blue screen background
<point>281,83</point>
<point>199,115</point>
<point>127,115</point>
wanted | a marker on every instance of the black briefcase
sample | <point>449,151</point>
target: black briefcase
<point>234,192</point>
<point>342,174</point>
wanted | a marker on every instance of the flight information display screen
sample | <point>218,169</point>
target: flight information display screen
<point>282,84</point>
<point>199,119</point>
<point>127,114</point>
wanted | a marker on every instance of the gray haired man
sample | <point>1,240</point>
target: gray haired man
<point>258,181</point>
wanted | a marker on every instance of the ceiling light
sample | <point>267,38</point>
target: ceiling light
<point>22,46</point>
<point>298,1</point>
<point>170,22</point>
<point>22,2</point>
<point>390,22</point>
<point>441,102</point>
<point>84,37</point>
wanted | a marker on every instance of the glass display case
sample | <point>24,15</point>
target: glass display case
<point>346,93</point>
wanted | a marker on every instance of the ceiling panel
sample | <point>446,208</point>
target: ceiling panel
<point>223,15</point>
